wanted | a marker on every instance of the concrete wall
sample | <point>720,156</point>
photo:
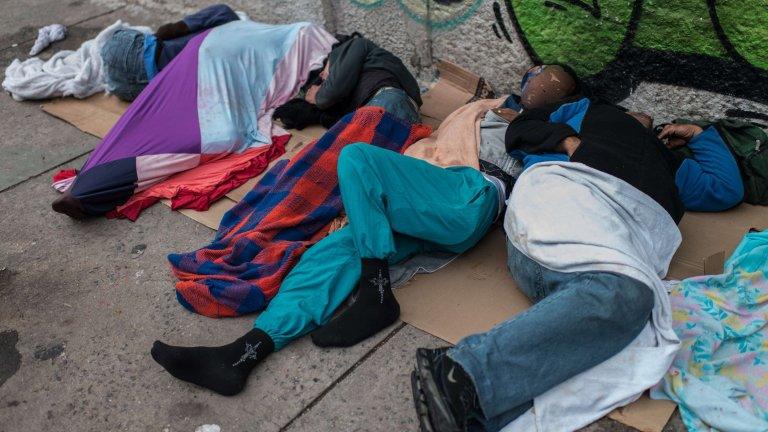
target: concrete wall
<point>670,59</point>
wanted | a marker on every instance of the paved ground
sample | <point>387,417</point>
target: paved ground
<point>80,308</point>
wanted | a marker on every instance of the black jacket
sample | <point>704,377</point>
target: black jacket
<point>612,142</point>
<point>359,68</point>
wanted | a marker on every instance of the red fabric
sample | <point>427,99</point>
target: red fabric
<point>201,186</point>
<point>64,174</point>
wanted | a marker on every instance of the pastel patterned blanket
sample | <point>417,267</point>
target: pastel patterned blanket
<point>720,375</point>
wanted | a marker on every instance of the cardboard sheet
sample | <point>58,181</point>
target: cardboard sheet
<point>210,217</point>
<point>94,115</point>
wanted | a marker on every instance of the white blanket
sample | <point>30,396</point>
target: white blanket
<point>571,218</point>
<point>67,73</point>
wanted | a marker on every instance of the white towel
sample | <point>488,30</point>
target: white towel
<point>68,73</point>
<point>46,36</point>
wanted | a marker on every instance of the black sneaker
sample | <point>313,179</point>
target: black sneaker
<point>447,392</point>
<point>420,403</point>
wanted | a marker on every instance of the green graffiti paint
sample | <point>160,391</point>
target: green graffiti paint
<point>681,26</point>
<point>439,16</point>
<point>713,45</point>
<point>574,35</point>
<point>566,30</point>
<point>745,24</point>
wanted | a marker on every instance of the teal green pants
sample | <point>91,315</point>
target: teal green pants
<point>397,206</point>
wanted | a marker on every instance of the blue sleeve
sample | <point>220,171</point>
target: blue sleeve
<point>711,181</point>
<point>530,159</point>
<point>211,16</point>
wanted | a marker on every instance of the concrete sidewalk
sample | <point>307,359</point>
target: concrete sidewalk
<point>82,302</point>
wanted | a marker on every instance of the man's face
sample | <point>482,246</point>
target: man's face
<point>545,84</point>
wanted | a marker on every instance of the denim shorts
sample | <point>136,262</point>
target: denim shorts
<point>123,57</point>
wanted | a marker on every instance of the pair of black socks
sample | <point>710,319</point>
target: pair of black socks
<point>225,369</point>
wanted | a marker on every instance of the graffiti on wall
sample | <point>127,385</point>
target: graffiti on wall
<point>437,14</point>
<point>715,45</point>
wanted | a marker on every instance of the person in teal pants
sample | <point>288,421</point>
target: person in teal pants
<point>397,206</point>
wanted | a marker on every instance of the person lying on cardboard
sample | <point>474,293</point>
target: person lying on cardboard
<point>428,208</point>
<point>132,58</point>
<point>357,73</point>
<point>589,238</point>
<point>708,181</point>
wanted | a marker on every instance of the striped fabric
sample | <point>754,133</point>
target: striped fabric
<point>263,237</point>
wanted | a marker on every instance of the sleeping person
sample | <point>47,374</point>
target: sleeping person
<point>357,73</point>
<point>209,110</point>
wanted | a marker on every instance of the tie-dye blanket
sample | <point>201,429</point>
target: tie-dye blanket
<point>208,111</point>
<point>720,375</point>
<point>290,209</point>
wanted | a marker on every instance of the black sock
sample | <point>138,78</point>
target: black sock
<point>223,369</point>
<point>374,309</point>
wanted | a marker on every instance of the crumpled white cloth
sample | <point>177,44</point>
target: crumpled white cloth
<point>46,36</point>
<point>569,217</point>
<point>68,73</point>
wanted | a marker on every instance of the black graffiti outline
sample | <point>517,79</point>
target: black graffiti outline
<point>632,65</point>
<point>594,10</point>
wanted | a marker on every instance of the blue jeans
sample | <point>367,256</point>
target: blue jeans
<point>123,57</point>
<point>396,102</point>
<point>578,321</point>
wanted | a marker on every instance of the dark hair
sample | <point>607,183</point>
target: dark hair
<point>298,113</point>
<point>343,38</point>
<point>314,75</point>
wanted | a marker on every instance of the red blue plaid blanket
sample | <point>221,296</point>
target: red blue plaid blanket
<point>290,209</point>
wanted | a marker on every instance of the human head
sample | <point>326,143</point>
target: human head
<point>545,84</point>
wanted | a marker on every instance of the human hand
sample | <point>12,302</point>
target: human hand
<point>569,145</point>
<point>678,135</point>
<point>311,95</point>
<point>325,71</point>
<point>507,114</point>
<point>172,30</point>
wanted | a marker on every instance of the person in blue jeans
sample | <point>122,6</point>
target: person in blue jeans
<point>132,58</point>
<point>578,319</point>
<point>356,73</point>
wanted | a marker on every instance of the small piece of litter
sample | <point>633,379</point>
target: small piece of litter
<point>208,428</point>
<point>137,250</point>
<point>46,36</point>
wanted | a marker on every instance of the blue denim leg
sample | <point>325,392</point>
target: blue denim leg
<point>579,320</point>
<point>397,103</point>
<point>123,57</point>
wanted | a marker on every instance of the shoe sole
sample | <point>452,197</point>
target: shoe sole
<point>420,403</point>
<point>439,412</point>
